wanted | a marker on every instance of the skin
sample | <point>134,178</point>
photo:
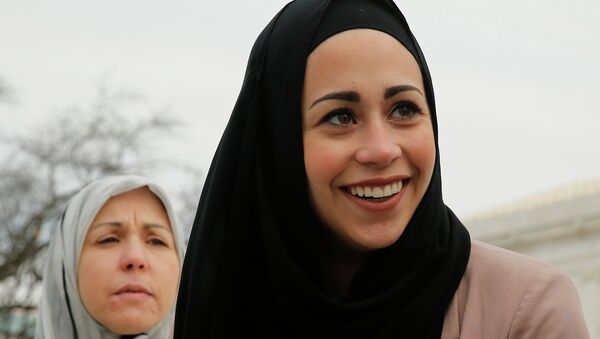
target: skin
<point>365,118</point>
<point>128,269</point>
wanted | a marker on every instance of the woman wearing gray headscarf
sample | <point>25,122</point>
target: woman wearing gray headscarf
<point>113,264</point>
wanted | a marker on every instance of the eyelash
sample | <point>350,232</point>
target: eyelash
<point>107,240</point>
<point>336,113</point>
<point>153,241</point>
<point>413,107</point>
<point>159,242</point>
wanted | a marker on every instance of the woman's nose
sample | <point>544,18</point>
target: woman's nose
<point>378,147</point>
<point>133,256</point>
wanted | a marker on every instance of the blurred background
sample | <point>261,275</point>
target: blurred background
<point>89,89</point>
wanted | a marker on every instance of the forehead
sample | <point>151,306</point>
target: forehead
<point>362,52</point>
<point>140,200</point>
<point>141,195</point>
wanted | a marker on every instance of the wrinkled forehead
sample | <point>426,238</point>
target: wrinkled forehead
<point>138,195</point>
<point>91,200</point>
<point>141,202</point>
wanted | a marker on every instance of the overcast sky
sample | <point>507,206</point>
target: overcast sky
<point>516,81</point>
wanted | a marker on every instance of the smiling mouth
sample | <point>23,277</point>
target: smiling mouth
<point>376,193</point>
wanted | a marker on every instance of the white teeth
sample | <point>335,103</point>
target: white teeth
<point>360,191</point>
<point>376,191</point>
<point>387,190</point>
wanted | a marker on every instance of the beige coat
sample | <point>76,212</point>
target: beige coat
<point>508,295</point>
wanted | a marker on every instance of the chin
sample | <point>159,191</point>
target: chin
<point>130,325</point>
<point>377,237</point>
<point>376,244</point>
<point>370,242</point>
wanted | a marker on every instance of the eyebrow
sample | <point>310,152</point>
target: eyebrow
<point>390,92</point>
<point>355,97</point>
<point>118,224</point>
<point>345,96</point>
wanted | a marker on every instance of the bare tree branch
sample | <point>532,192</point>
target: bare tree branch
<point>6,92</point>
<point>43,169</point>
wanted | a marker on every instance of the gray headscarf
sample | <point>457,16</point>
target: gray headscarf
<point>61,310</point>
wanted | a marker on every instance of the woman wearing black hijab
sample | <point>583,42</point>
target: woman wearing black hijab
<point>322,214</point>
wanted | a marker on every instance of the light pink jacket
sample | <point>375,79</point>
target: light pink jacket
<point>508,295</point>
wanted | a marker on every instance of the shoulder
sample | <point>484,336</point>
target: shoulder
<point>488,262</point>
<point>509,295</point>
<point>507,277</point>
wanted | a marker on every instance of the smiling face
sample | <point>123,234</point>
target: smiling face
<point>128,270</point>
<point>369,148</point>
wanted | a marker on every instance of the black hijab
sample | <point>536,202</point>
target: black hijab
<point>253,254</point>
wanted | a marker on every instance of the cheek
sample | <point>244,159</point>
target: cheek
<point>167,265</point>
<point>91,281</point>
<point>323,162</point>
<point>423,153</point>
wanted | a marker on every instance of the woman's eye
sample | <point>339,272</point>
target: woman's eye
<point>405,110</point>
<point>158,242</point>
<point>108,240</point>
<point>340,117</point>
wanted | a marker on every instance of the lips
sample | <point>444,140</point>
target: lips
<point>377,195</point>
<point>376,189</point>
<point>132,289</point>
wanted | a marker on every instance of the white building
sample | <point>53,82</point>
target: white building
<point>561,227</point>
